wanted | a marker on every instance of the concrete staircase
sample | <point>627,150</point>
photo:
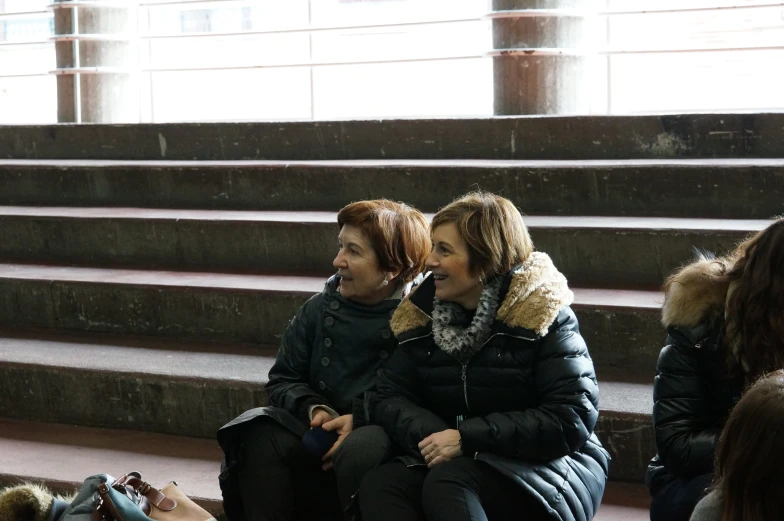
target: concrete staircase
<point>147,271</point>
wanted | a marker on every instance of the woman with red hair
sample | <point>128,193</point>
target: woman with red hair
<point>324,376</point>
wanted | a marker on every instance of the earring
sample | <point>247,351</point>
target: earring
<point>385,281</point>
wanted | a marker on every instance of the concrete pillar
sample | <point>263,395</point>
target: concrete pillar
<point>103,97</point>
<point>542,62</point>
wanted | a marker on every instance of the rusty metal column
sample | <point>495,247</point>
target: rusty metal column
<point>106,91</point>
<point>542,55</point>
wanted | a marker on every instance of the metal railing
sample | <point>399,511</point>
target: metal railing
<point>76,36</point>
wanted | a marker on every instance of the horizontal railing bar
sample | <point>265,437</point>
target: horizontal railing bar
<point>12,43</point>
<point>91,37</point>
<point>75,3</point>
<point>507,52</point>
<point>115,4</point>
<point>307,29</point>
<point>25,13</point>
<point>543,13</point>
<point>24,75</point>
<point>186,2</point>
<point>121,37</point>
<point>615,52</point>
<point>114,70</point>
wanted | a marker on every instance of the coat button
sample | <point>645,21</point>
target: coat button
<point>322,385</point>
<point>384,354</point>
<point>329,321</point>
<point>328,342</point>
<point>386,333</point>
<point>334,304</point>
<point>325,361</point>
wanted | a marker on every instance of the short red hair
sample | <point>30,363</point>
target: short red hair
<point>397,232</point>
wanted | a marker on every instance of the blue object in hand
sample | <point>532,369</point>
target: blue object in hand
<point>317,441</point>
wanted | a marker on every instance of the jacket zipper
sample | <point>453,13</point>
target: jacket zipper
<point>464,376</point>
<point>407,340</point>
<point>465,383</point>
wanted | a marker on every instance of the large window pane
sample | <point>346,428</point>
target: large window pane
<point>28,100</point>
<point>439,88</point>
<point>697,81</point>
<point>231,95</point>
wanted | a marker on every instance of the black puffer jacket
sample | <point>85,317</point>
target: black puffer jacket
<point>692,394</point>
<point>529,396</point>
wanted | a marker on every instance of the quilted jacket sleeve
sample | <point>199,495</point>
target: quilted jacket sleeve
<point>398,409</point>
<point>288,385</point>
<point>685,441</point>
<point>568,408</point>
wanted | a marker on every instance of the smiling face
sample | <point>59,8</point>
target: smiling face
<point>450,263</point>
<point>361,276</point>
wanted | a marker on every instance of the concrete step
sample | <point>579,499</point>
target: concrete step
<point>61,456</point>
<point>148,386</point>
<point>631,252</point>
<point>525,137</point>
<point>717,188</point>
<point>621,326</point>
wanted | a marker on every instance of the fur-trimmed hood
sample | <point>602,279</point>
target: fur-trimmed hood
<point>697,293</point>
<point>26,502</point>
<point>532,295</point>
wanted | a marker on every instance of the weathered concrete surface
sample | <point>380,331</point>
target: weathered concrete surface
<point>151,403</point>
<point>630,252</point>
<point>209,307</point>
<point>135,387</point>
<point>86,384</point>
<point>583,137</point>
<point>630,440</point>
<point>621,327</point>
<point>62,456</point>
<point>723,188</point>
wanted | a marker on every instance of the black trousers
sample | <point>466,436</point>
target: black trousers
<point>279,481</point>
<point>462,489</point>
<point>676,501</point>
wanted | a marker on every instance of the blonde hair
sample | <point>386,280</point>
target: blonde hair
<point>493,229</point>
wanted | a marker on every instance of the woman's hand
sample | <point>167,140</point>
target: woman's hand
<point>343,425</point>
<point>440,447</point>
<point>320,417</point>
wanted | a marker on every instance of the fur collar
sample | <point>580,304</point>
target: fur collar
<point>696,293</point>
<point>535,293</point>
<point>26,502</point>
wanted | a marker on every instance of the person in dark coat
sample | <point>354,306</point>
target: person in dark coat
<point>725,328</point>
<point>324,376</point>
<point>748,484</point>
<point>491,393</point>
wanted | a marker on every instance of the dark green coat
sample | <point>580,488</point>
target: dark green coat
<point>329,355</point>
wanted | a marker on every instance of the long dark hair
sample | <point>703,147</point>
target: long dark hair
<point>749,459</point>
<point>755,309</point>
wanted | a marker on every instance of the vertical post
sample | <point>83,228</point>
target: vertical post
<point>542,62</point>
<point>310,58</point>
<point>66,58</point>
<point>103,97</point>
